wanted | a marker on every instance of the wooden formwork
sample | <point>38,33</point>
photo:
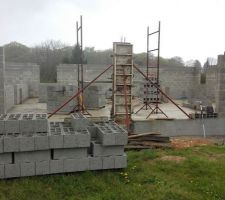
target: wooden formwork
<point>122,82</point>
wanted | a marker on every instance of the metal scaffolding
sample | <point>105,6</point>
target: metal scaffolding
<point>151,98</point>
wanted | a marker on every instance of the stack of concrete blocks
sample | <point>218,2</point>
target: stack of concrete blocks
<point>30,145</point>
<point>107,146</point>
<point>94,97</point>
<point>24,149</point>
<point>57,94</point>
<point>2,81</point>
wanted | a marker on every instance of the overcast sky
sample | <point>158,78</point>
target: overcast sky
<point>192,29</point>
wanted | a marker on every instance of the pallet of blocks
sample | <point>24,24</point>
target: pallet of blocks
<point>30,145</point>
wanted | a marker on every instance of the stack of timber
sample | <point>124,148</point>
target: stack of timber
<point>148,141</point>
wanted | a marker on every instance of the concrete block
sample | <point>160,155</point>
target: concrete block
<point>2,122</point>
<point>32,156</point>
<point>69,153</point>
<point>26,123</point>
<point>2,171</point>
<point>70,140</point>
<point>41,123</point>
<point>27,169</point>
<point>26,142</point>
<point>55,141</point>
<point>93,131</point>
<point>74,165</point>
<point>56,166</point>
<point>95,163</point>
<point>1,143</point>
<point>79,121</point>
<point>12,124</point>
<point>42,168</point>
<point>5,158</point>
<point>98,149</point>
<point>108,162</point>
<point>121,161</point>
<point>12,170</point>
<point>106,136</point>
<point>11,142</point>
<point>41,141</point>
<point>83,138</point>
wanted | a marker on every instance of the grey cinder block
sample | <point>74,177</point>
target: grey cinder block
<point>56,166</point>
<point>12,123</point>
<point>41,141</point>
<point>32,156</point>
<point>98,149</point>
<point>69,153</point>
<point>95,163</point>
<point>70,140</point>
<point>12,170</point>
<point>41,122</point>
<point>121,161</point>
<point>55,141</point>
<point>11,142</point>
<point>1,144</point>
<point>79,121</point>
<point>27,169</point>
<point>5,158</point>
<point>26,123</point>
<point>2,171</point>
<point>26,142</point>
<point>78,164</point>
<point>108,162</point>
<point>42,168</point>
<point>84,138</point>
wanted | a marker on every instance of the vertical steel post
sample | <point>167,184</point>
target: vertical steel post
<point>78,68</point>
<point>158,60</point>
<point>81,61</point>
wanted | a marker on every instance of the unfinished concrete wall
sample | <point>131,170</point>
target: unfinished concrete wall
<point>220,92</point>
<point>23,73</point>
<point>213,127</point>
<point>2,80</point>
<point>9,97</point>
<point>21,93</point>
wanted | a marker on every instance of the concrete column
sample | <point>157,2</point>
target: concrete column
<point>2,81</point>
<point>220,92</point>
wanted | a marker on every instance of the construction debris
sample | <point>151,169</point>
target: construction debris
<point>148,141</point>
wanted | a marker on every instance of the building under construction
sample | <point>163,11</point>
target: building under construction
<point>83,121</point>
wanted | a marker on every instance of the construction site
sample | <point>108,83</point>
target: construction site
<point>83,121</point>
<point>94,114</point>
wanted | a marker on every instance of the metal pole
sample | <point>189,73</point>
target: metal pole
<point>162,91</point>
<point>157,102</point>
<point>78,68</point>
<point>78,93</point>
<point>81,60</point>
<point>147,63</point>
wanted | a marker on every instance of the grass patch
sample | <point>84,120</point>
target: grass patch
<point>200,176</point>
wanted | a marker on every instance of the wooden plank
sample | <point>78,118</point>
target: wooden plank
<point>143,134</point>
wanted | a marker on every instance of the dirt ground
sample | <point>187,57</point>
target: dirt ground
<point>185,142</point>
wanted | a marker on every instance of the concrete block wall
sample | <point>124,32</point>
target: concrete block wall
<point>23,73</point>
<point>57,94</point>
<point>30,145</point>
<point>187,127</point>
<point>94,97</point>
<point>2,81</point>
<point>21,93</point>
